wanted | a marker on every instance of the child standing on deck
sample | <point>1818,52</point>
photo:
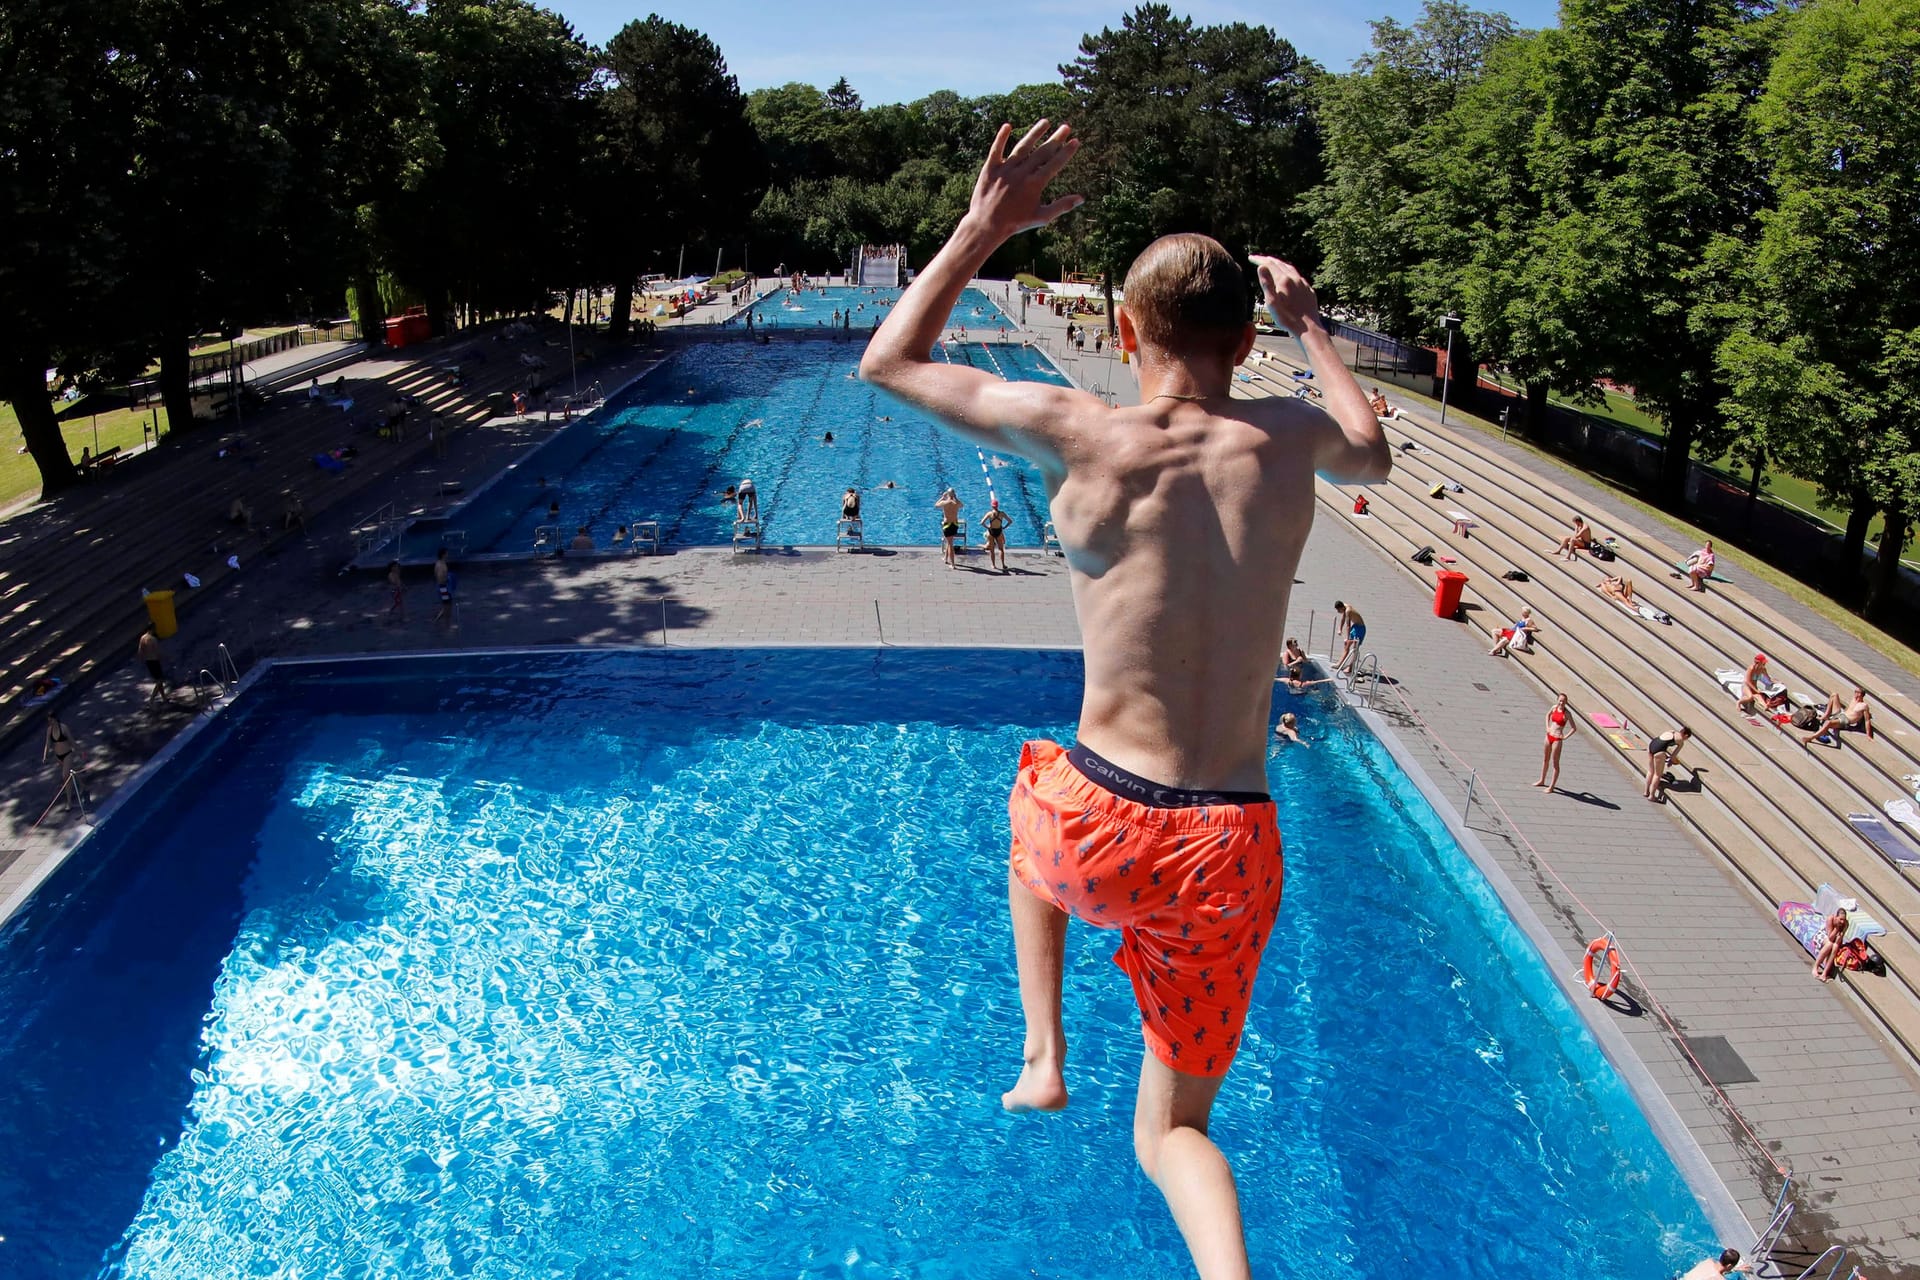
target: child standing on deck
<point>1183,520</point>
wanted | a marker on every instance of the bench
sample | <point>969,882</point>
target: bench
<point>105,460</point>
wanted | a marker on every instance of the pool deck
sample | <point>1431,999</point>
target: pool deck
<point>1829,1101</point>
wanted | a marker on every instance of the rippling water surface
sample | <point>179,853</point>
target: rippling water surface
<point>696,964</point>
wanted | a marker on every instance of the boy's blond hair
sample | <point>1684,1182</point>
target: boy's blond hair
<point>1186,295</point>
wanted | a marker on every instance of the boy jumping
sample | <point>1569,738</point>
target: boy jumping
<point>1183,521</point>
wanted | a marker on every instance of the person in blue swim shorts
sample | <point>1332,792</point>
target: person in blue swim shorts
<point>1347,619</point>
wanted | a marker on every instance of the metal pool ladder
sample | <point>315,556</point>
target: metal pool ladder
<point>210,689</point>
<point>1363,679</point>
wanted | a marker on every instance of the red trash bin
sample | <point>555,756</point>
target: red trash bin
<point>1446,592</point>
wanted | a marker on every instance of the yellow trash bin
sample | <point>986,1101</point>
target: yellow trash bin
<point>160,609</point>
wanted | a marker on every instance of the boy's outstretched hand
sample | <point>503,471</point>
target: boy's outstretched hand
<point>1287,292</point>
<point>1006,198</point>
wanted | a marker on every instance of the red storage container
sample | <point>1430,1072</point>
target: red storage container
<point>1446,592</point>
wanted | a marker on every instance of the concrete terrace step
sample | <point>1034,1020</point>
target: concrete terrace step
<point>60,590</point>
<point>1781,853</point>
<point>1738,817</point>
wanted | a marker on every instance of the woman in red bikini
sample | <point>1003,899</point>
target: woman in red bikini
<point>1560,727</point>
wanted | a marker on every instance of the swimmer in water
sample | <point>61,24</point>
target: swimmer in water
<point>1288,730</point>
<point>827,438</point>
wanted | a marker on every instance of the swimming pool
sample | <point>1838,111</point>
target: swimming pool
<point>715,413</point>
<point>694,963</point>
<point>977,309</point>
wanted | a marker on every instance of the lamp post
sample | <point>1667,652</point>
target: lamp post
<point>1450,322</point>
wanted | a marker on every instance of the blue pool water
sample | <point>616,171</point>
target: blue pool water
<point>715,413</point>
<point>696,963</point>
<point>977,309</point>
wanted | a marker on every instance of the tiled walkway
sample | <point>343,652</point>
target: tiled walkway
<point>1826,1101</point>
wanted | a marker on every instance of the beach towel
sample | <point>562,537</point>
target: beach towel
<point>1808,925</point>
<point>1625,740</point>
<point>1905,812</point>
<point>1652,614</point>
<point>1884,838</point>
<point>1601,720</point>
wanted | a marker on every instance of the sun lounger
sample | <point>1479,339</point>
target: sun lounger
<point>1892,846</point>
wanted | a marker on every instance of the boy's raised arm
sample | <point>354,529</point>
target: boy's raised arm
<point>1358,454</point>
<point>1006,200</point>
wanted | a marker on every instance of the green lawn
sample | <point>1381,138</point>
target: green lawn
<point>1775,486</point>
<point>19,478</point>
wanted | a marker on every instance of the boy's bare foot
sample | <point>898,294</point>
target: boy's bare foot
<point>1039,1088</point>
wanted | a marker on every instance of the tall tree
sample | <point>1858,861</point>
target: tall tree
<point>485,211</point>
<point>1390,137</point>
<point>1191,128</point>
<point>686,159</point>
<point>1836,272</point>
<point>1640,149</point>
<point>64,148</point>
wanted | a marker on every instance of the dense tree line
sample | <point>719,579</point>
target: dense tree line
<point>1711,201</point>
<point>169,169</point>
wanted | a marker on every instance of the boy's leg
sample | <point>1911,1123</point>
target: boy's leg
<point>1170,1138</point>
<point>1039,944</point>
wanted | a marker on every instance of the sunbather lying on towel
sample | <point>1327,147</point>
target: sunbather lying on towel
<point>1620,589</point>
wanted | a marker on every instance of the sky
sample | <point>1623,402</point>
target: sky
<point>899,50</point>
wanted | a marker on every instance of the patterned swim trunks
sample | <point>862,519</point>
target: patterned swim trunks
<point>1191,881</point>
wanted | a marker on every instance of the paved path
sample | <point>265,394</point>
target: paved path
<point>1825,1101</point>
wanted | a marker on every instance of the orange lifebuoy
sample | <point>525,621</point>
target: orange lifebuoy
<point>1595,949</point>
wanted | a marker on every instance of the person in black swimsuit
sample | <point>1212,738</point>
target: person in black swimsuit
<point>1662,752</point>
<point>60,746</point>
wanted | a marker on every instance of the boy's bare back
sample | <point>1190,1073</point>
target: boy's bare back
<point>1183,523</point>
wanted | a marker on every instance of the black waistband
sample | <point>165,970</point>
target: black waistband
<point>1131,786</point>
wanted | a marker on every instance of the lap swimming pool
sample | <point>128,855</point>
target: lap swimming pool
<point>717,413</point>
<point>977,309</point>
<point>695,963</point>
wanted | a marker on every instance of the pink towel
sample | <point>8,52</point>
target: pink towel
<point>1605,721</point>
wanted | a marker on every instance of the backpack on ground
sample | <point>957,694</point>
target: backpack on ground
<point>1600,551</point>
<point>1517,575</point>
<point>1423,556</point>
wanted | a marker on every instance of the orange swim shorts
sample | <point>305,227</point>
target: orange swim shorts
<point>1193,890</point>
